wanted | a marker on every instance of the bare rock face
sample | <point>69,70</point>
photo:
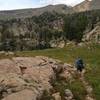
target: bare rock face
<point>26,78</point>
<point>21,95</point>
<point>8,66</point>
<point>93,35</point>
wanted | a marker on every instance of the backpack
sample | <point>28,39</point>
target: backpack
<point>79,63</point>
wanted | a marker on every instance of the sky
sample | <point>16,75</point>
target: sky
<point>21,4</point>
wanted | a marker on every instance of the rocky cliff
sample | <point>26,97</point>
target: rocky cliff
<point>93,35</point>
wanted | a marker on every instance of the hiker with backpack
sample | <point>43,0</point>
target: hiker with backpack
<point>79,64</point>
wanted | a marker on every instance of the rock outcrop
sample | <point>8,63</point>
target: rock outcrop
<point>93,35</point>
<point>36,78</point>
<point>26,78</point>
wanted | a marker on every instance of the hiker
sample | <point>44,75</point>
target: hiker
<point>79,64</point>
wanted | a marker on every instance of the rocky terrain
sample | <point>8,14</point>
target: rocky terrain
<point>87,5</point>
<point>26,13</point>
<point>93,35</point>
<point>36,78</point>
<point>42,28</point>
<point>27,78</point>
<point>24,78</point>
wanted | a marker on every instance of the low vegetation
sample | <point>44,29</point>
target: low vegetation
<point>91,57</point>
<point>39,32</point>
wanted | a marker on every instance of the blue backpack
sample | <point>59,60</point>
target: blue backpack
<point>79,63</point>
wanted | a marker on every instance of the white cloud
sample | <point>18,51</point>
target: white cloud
<point>20,4</point>
<point>67,2</point>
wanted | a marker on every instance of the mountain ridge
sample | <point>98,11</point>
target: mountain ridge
<point>87,5</point>
<point>24,13</point>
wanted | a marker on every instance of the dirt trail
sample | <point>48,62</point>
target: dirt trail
<point>88,88</point>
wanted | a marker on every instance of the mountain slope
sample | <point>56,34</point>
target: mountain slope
<point>61,8</point>
<point>87,5</point>
<point>23,13</point>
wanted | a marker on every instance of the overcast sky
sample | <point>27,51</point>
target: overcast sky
<point>20,4</point>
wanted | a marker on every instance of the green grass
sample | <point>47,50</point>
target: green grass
<point>69,54</point>
<point>76,87</point>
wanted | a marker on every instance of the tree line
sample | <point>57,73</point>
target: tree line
<point>38,31</point>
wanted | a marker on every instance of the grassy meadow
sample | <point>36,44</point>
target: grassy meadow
<point>91,56</point>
